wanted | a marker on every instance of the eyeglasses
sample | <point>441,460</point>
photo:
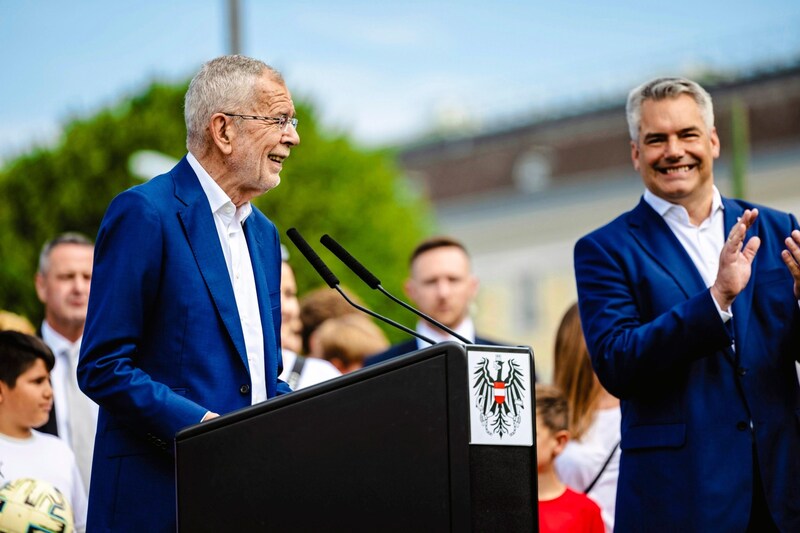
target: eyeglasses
<point>282,121</point>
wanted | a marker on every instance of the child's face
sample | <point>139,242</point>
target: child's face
<point>548,445</point>
<point>28,404</point>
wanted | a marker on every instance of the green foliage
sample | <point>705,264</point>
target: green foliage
<point>329,185</point>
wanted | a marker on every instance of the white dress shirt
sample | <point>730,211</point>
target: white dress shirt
<point>65,369</point>
<point>229,221</point>
<point>703,243</point>
<point>466,329</point>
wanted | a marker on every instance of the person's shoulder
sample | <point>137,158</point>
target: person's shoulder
<point>580,502</point>
<point>51,442</point>
<point>48,439</point>
<point>261,218</point>
<point>321,368</point>
<point>764,211</point>
<point>771,222</point>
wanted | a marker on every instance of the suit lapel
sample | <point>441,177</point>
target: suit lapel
<point>657,240</point>
<point>201,233</point>
<point>257,256</point>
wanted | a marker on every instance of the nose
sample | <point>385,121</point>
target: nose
<point>443,288</point>
<point>674,148</point>
<point>81,284</point>
<point>290,136</point>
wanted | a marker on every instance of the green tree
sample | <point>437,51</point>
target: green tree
<point>329,185</point>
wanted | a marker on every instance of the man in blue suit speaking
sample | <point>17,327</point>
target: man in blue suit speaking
<point>689,305</point>
<point>184,314</point>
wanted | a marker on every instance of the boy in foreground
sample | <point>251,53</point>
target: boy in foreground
<point>26,398</point>
<point>560,508</point>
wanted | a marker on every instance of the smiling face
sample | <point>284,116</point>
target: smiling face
<point>675,152</point>
<point>260,148</point>
<point>27,404</point>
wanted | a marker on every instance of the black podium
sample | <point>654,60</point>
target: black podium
<point>386,448</point>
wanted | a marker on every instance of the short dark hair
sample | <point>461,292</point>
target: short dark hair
<point>439,241</point>
<point>551,407</point>
<point>18,352</point>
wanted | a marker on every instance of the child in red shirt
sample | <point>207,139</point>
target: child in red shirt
<point>560,508</point>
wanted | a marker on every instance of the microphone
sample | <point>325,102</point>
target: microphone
<point>333,282</point>
<point>374,283</point>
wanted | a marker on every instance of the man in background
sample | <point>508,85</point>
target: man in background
<point>441,285</point>
<point>62,285</point>
<point>184,315</point>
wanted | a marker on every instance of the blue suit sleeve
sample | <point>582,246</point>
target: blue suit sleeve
<point>630,352</point>
<point>125,285</point>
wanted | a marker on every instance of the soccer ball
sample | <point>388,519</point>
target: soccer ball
<point>31,505</point>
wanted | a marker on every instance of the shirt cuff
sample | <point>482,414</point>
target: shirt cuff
<point>724,315</point>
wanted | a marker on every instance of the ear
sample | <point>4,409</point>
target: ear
<point>562,438</point>
<point>41,289</point>
<point>714,138</point>
<point>474,284</point>
<point>635,155</point>
<point>410,288</point>
<point>222,132</point>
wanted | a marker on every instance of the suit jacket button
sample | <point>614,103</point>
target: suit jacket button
<point>244,389</point>
<point>741,425</point>
<point>741,371</point>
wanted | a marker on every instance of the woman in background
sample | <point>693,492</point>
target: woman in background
<point>590,461</point>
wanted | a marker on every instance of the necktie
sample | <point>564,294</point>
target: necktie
<point>81,419</point>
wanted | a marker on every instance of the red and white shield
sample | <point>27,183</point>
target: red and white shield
<point>499,392</point>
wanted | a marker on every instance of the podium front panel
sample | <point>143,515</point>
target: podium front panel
<point>385,448</point>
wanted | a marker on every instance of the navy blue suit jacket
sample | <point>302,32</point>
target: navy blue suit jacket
<point>658,343</point>
<point>409,346</point>
<point>163,342</point>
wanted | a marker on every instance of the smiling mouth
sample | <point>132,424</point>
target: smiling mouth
<point>277,158</point>
<point>676,170</point>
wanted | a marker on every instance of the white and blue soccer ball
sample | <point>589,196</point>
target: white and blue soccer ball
<point>31,505</point>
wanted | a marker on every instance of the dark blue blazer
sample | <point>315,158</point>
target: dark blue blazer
<point>163,342</point>
<point>658,343</point>
<point>409,346</point>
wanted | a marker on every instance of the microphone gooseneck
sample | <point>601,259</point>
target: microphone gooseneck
<point>312,257</point>
<point>333,282</point>
<point>374,283</point>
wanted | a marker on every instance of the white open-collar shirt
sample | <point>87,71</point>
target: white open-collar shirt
<point>229,221</point>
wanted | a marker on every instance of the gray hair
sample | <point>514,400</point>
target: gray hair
<point>224,84</point>
<point>70,237</point>
<point>660,89</point>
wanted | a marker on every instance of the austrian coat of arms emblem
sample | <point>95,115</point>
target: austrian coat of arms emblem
<point>498,389</point>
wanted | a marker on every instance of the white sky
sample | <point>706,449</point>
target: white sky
<point>382,72</point>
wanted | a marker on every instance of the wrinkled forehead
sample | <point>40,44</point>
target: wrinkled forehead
<point>272,92</point>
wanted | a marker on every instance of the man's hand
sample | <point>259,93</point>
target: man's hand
<point>791,256</point>
<point>736,260</point>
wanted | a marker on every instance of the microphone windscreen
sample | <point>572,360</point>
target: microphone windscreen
<point>312,257</point>
<point>352,263</point>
